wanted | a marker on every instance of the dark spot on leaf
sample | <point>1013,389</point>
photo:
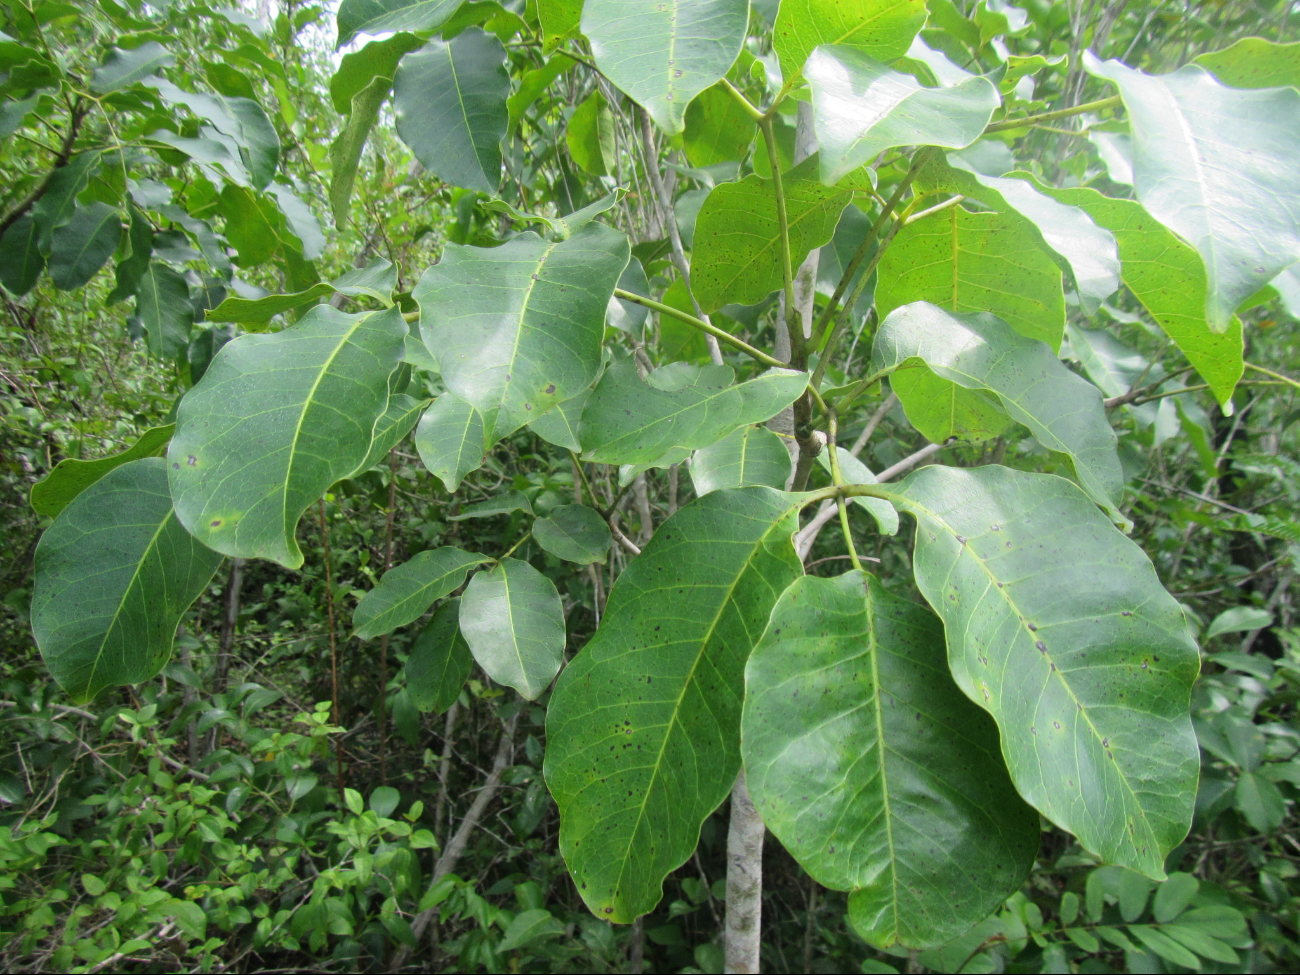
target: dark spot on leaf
<point>216,523</point>
<point>550,389</point>
<point>1041,646</point>
<point>192,461</point>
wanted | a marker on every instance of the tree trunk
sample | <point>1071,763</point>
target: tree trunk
<point>744,882</point>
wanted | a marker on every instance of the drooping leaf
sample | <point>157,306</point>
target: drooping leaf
<point>440,661</point>
<point>406,592</point>
<point>452,439</point>
<point>114,575</point>
<point>249,456</point>
<point>503,504</point>
<point>856,472</point>
<point>534,83</point>
<point>250,225</point>
<point>255,313</point>
<point>80,247</point>
<point>627,421</point>
<point>512,619</point>
<point>982,354</point>
<point>664,54</point>
<point>745,457</point>
<point>59,201</point>
<point>880,29</point>
<point>346,149</point>
<point>590,135</point>
<point>1220,167</point>
<point>450,103</point>
<point>70,476</point>
<point>21,260</point>
<point>1253,62</point>
<point>357,70</point>
<point>628,316</point>
<point>975,262</point>
<point>517,328</point>
<point>131,268</point>
<point>301,222</point>
<point>240,124</point>
<point>873,770</point>
<point>399,419</point>
<point>162,302</point>
<point>1058,626</point>
<point>736,257</point>
<point>122,68</point>
<point>643,729</point>
<point>575,533</point>
<point>1167,276</point>
<point>862,107</point>
<point>380,16</point>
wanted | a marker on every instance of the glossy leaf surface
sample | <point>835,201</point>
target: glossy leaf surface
<point>643,730</point>
<point>518,328</point>
<point>743,458</point>
<point>440,661</point>
<point>665,52</point>
<point>54,492</point>
<point>274,422</point>
<point>874,770</point>
<point>575,533</point>
<point>512,619</point>
<point>114,575</point>
<point>406,591</point>
<point>1058,626</point>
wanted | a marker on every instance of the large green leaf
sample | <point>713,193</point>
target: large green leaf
<point>114,575</point>
<point>982,354</point>
<point>736,257</point>
<point>452,439</point>
<point>665,52</point>
<point>380,16</point>
<point>745,457</point>
<point>880,29</point>
<point>717,128</point>
<point>1167,276</point>
<point>513,621</point>
<point>57,489</point>
<point>83,245</point>
<point>575,533</point>
<point>162,302</point>
<point>862,107</point>
<point>873,770</point>
<point>560,20</point>
<point>238,123</point>
<point>1220,167</point>
<point>627,421</point>
<point>406,592</point>
<point>590,136</point>
<point>973,262</point>
<point>378,59</point>
<point>1253,62</point>
<point>274,422</point>
<point>450,103</point>
<point>1058,626</point>
<point>21,260</point>
<point>518,328</point>
<point>346,149</point>
<point>122,68</point>
<point>399,419</point>
<point>440,661</point>
<point>643,729</point>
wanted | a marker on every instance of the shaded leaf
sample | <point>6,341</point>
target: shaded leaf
<point>70,476</point>
<point>1238,619</point>
<point>590,135</point>
<point>747,456</point>
<point>503,504</point>
<point>528,927</point>
<point>21,260</point>
<point>248,457</point>
<point>559,425</point>
<point>440,661</point>
<point>573,532</point>
<point>560,20</point>
<point>873,770</point>
<point>643,729</point>
<point>406,591</point>
<point>114,575</point>
<point>346,149</point>
<point>452,439</point>
<point>162,303</point>
<point>717,128</point>
<point>379,16</point>
<point>131,268</point>
<point>80,247</point>
<point>512,619</point>
<point>122,68</point>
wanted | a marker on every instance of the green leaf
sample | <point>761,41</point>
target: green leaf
<point>534,83</point>
<point>976,262</point>
<point>238,123</point>
<point>346,149</point>
<point>590,136</point>
<point>1260,802</point>
<point>1239,619</point>
<point>452,439</point>
<point>1165,946</point>
<point>440,661</point>
<point>628,316</point>
<point>380,16</point>
<point>856,472</point>
<point>517,328</point>
<point>717,128</point>
<point>1234,200</point>
<point>131,268</point>
<point>248,457</point>
<point>357,70</point>
<point>1253,62</point>
<point>114,575</point>
<point>21,260</point>
<point>1167,276</point>
<point>255,313</point>
<point>643,729</point>
<point>57,204</point>
<point>852,732</point>
<point>664,54</point>
<point>1202,944</point>
<point>301,222</point>
<point>450,103</point>
<point>122,68</point>
<point>406,592</point>
<point>513,622</point>
<point>162,302</point>
<point>528,927</point>
<point>559,425</point>
<point>502,504</point>
<point>70,476</point>
<point>1173,896</point>
<point>627,421</point>
<point>80,247</point>
<point>747,456</point>
<point>575,533</point>
<point>861,107</point>
<point>737,249</point>
<point>880,29</point>
<point>391,429</point>
<point>981,353</point>
<point>1058,627</point>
